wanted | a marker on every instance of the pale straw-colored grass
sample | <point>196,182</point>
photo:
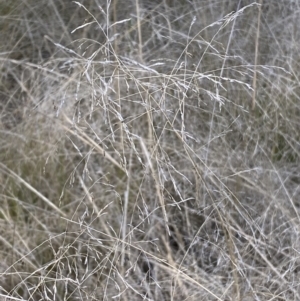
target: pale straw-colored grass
<point>133,163</point>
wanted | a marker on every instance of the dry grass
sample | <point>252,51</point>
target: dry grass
<point>149,150</point>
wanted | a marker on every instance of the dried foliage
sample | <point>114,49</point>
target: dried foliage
<point>149,150</point>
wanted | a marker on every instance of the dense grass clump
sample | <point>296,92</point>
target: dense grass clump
<point>149,150</point>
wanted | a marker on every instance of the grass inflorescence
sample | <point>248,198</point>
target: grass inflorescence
<point>149,150</point>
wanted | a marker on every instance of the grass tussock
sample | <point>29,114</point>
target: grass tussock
<point>149,150</point>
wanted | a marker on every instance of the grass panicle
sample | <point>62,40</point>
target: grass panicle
<point>149,150</point>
